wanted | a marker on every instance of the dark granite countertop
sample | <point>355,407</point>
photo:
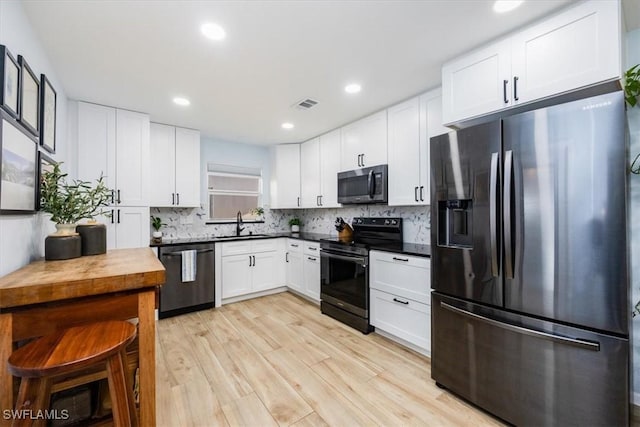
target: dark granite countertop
<point>403,248</point>
<point>312,237</point>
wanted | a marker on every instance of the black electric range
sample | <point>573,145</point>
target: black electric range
<point>344,288</point>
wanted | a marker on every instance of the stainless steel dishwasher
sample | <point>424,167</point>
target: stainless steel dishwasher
<point>176,296</point>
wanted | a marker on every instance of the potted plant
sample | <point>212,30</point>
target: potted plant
<point>156,223</point>
<point>295,224</point>
<point>258,213</point>
<point>69,203</point>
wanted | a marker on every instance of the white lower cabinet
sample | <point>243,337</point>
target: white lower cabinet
<point>127,227</point>
<point>249,266</point>
<point>402,317</point>
<point>303,268</point>
<point>400,297</point>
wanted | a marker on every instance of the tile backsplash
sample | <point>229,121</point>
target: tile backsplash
<point>190,223</point>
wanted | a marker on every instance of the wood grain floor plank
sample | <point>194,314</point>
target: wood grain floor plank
<point>334,408</point>
<point>277,359</point>
<point>248,411</point>
<point>285,405</point>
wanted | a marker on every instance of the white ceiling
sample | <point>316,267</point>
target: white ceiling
<point>140,54</point>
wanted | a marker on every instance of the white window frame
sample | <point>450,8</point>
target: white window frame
<point>211,192</point>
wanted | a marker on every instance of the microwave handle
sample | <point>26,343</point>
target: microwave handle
<point>371,184</point>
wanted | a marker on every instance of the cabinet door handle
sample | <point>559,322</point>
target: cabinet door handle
<point>401,302</point>
<point>118,197</point>
<point>294,246</point>
<point>415,193</point>
<point>118,216</point>
<point>112,218</point>
<point>515,88</point>
<point>298,201</point>
<point>504,91</point>
<point>254,260</point>
<point>113,196</point>
<point>177,198</point>
<point>320,200</point>
<point>173,198</point>
<point>286,256</point>
<point>249,260</point>
<point>317,200</point>
<point>421,195</point>
<point>401,259</point>
<point>312,259</point>
<point>313,249</point>
<point>362,159</point>
<point>359,164</point>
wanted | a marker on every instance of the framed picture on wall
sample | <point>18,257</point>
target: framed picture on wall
<point>47,115</point>
<point>45,164</point>
<point>18,172</point>
<point>10,88</point>
<point>29,97</point>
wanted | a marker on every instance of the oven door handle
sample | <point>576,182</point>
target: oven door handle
<point>355,259</point>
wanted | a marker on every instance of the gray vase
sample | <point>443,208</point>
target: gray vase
<point>62,247</point>
<point>94,238</point>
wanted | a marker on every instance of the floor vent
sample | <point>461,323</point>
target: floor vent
<point>306,104</point>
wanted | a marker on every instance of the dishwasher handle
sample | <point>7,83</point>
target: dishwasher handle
<point>179,253</point>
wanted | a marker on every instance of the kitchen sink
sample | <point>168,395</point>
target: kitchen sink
<point>242,236</point>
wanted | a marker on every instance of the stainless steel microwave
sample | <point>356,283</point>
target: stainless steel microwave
<point>366,185</point>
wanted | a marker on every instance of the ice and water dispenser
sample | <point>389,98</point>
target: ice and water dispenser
<point>455,223</point>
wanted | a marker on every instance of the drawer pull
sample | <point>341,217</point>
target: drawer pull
<point>294,246</point>
<point>401,302</point>
<point>313,249</point>
<point>401,259</point>
<point>312,259</point>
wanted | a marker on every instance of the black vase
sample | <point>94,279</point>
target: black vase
<point>62,247</point>
<point>94,238</point>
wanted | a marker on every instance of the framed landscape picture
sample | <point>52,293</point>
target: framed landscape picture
<point>10,87</point>
<point>29,97</point>
<point>47,115</point>
<point>18,172</point>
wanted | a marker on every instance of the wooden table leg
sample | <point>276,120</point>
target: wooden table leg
<point>147,357</point>
<point>6,380</point>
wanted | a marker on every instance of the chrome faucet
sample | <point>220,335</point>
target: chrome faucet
<point>238,222</point>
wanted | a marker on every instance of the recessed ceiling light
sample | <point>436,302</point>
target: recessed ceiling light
<point>502,6</point>
<point>183,102</point>
<point>353,88</point>
<point>287,125</point>
<point>213,31</point>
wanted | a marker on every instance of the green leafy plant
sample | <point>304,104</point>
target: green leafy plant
<point>632,85</point>
<point>257,211</point>
<point>295,221</point>
<point>156,222</point>
<point>69,203</point>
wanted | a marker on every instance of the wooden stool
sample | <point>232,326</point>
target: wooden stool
<point>70,350</point>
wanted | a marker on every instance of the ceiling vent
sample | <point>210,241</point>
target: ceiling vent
<point>306,104</point>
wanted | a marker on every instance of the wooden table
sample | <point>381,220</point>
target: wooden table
<point>48,295</point>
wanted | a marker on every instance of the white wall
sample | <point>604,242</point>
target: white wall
<point>22,236</point>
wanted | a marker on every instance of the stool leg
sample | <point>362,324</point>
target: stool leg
<point>118,391</point>
<point>33,396</point>
<point>133,413</point>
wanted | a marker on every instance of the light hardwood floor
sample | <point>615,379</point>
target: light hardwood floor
<point>277,360</point>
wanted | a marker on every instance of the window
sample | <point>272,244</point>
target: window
<point>231,190</point>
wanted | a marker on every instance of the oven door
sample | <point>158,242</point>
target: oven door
<point>345,282</point>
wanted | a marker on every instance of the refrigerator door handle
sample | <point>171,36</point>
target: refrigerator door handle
<point>587,345</point>
<point>507,207</point>
<point>493,213</point>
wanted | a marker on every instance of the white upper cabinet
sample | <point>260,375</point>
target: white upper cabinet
<point>175,172</point>
<point>115,143</point>
<point>329,168</point>
<point>576,48</point>
<point>476,83</point>
<point>132,158</point>
<point>310,173</point>
<point>319,167</point>
<point>364,143</point>
<point>411,124</point>
<point>285,176</point>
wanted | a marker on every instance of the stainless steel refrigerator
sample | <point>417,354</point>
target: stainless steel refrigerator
<point>529,264</point>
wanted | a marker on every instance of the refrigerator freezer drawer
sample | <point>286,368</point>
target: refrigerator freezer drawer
<point>528,371</point>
